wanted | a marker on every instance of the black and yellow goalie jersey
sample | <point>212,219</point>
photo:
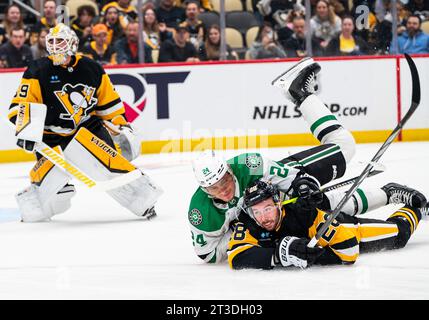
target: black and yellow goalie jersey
<point>251,246</point>
<point>75,95</point>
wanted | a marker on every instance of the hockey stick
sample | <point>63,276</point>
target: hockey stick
<point>335,186</point>
<point>415,101</point>
<point>68,167</point>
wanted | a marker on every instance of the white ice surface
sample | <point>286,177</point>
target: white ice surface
<point>97,250</point>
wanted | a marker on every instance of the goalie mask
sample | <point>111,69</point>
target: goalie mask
<point>61,43</point>
<point>261,201</point>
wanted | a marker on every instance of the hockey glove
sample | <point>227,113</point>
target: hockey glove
<point>293,251</point>
<point>126,138</point>
<point>308,192</point>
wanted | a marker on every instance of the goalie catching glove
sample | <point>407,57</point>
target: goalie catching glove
<point>293,251</point>
<point>124,136</point>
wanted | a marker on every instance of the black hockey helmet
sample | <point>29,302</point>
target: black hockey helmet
<point>259,191</point>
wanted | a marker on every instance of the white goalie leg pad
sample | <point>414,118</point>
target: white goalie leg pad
<point>94,156</point>
<point>30,121</point>
<point>362,201</point>
<point>138,196</point>
<point>50,197</point>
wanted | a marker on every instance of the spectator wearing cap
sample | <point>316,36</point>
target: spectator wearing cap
<point>15,53</point>
<point>39,48</point>
<point>154,33</point>
<point>127,48</point>
<point>413,40</point>
<point>98,49</point>
<point>82,24</point>
<point>124,7</point>
<point>170,14</point>
<point>193,24</point>
<point>346,43</point>
<point>178,49</point>
<point>116,25</point>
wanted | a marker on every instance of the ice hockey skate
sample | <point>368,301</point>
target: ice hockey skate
<point>397,193</point>
<point>299,81</point>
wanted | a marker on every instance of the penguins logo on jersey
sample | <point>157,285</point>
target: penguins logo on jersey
<point>78,101</point>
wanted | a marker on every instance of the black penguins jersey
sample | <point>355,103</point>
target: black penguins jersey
<point>251,246</point>
<point>73,94</point>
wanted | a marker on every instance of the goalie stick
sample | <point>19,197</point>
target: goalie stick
<point>415,101</point>
<point>68,167</point>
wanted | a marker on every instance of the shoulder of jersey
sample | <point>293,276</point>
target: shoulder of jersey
<point>35,66</point>
<point>250,160</point>
<point>200,209</point>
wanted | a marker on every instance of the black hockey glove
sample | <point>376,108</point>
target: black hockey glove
<point>27,145</point>
<point>293,251</point>
<point>308,192</point>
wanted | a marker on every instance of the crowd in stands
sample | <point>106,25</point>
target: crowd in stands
<point>188,30</point>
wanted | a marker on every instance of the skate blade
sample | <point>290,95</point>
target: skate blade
<point>306,62</point>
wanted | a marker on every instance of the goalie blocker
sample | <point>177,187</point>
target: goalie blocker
<point>50,194</point>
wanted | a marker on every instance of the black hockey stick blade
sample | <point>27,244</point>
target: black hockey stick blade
<point>349,181</point>
<point>415,80</point>
<point>415,101</point>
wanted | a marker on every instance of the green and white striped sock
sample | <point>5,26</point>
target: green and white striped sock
<point>319,117</point>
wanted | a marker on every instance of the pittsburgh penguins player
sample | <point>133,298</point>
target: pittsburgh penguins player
<point>68,101</point>
<point>270,234</point>
<point>215,204</point>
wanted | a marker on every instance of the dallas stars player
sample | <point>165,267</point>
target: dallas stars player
<point>216,203</point>
<point>271,234</point>
<point>67,101</point>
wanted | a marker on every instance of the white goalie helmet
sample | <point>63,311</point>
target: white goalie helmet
<point>209,168</point>
<point>61,43</point>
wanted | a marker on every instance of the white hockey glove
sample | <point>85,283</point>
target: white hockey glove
<point>126,138</point>
<point>293,251</point>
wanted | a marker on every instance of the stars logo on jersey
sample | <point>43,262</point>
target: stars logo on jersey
<point>195,217</point>
<point>253,161</point>
<point>78,101</point>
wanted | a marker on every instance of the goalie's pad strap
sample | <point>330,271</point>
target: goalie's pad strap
<point>41,169</point>
<point>105,154</point>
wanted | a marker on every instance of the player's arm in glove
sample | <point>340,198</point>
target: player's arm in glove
<point>307,190</point>
<point>293,251</point>
<point>124,135</point>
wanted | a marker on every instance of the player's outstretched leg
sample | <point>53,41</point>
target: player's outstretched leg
<point>299,85</point>
<point>407,219</point>
<point>367,199</point>
<point>397,193</point>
